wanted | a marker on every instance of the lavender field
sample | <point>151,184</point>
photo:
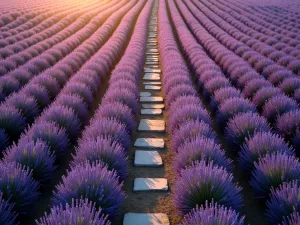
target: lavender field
<point>149,112</point>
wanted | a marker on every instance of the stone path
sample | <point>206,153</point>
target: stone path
<point>150,143</point>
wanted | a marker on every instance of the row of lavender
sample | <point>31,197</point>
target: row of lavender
<point>21,108</point>
<point>262,153</point>
<point>101,154</point>
<point>204,189</point>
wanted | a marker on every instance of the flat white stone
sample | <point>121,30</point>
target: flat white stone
<point>147,158</point>
<point>151,70</point>
<point>152,87</point>
<point>152,82</point>
<point>151,99</point>
<point>152,40</point>
<point>151,76</point>
<point>151,111</point>
<point>151,44</point>
<point>152,35</point>
<point>146,219</point>
<point>152,59</point>
<point>152,50</point>
<point>149,143</point>
<point>151,63</point>
<point>153,106</point>
<point>145,94</point>
<point>150,184</point>
<point>152,125</point>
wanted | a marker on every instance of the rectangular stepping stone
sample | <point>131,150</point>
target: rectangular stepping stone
<point>151,63</point>
<point>150,184</point>
<point>152,50</point>
<point>153,106</point>
<point>152,40</point>
<point>152,125</point>
<point>152,87</point>
<point>145,94</point>
<point>152,82</point>
<point>151,70</point>
<point>151,44</point>
<point>151,76</point>
<point>149,143</point>
<point>147,158</point>
<point>152,59</point>
<point>151,99</point>
<point>151,111</point>
<point>146,219</point>
<point>152,35</point>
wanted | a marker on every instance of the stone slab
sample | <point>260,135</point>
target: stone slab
<point>152,63</point>
<point>145,94</point>
<point>152,125</point>
<point>152,82</point>
<point>157,99</point>
<point>151,76</point>
<point>147,158</point>
<point>150,184</point>
<point>151,111</point>
<point>151,70</point>
<point>146,219</point>
<point>153,106</point>
<point>152,50</point>
<point>152,87</point>
<point>149,143</point>
<point>152,59</point>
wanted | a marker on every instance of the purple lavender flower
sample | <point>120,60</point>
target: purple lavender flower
<point>297,95</point>
<point>105,150</point>
<point>49,83</point>
<point>3,140</point>
<point>200,149</point>
<point>78,212</point>
<point>188,112</point>
<point>289,85</point>
<point>231,107</point>
<point>119,112</point>
<point>93,182</point>
<point>125,84</point>
<point>64,117</point>
<point>259,145</point>
<point>22,75</point>
<point>191,129</point>
<point>263,95</point>
<point>294,66</point>
<point>9,85</point>
<point>174,81</point>
<point>17,186</point>
<point>74,102</point>
<point>58,75</point>
<point>107,128</point>
<point>34,155</point>
<point>293,219</point>
<point>215,84</point>
<point>7,215</point>
<point>272,170</point>
<point>205,182</point>
<point>180,90</point>
<point>277,106</point>
<point>223,94</point>
<point>254,85</point>
<point>244,125</point>
<point>182,101</point>
<point>212,214</point>
<point>123,96</point>
<point>278,76</point>
<point>38,92</point>
<point>283,202</point>
<point>11,121</point>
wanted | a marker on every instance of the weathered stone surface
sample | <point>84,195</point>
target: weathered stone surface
<point>151,76</point>
<point>151,99</point>
<point>152,125</point>
<point>147,158</point>
<point>152,59</point>
<point>151,70</point>
<point>151,111</point>
<point>152,87</point>
<point>145,94</point>
<point>152,63</point>
<point>153,106</point>
<point>146,219</point>
<point>152,82</point>
<point>150,184</point>
<point>152,50</point>
<point>149,143</point>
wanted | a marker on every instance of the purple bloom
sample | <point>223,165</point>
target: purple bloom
<point>125,84</point>
<point>58,75</point>
<point>205,182</point>
<point>80,89</point>
<point>186,113</point>
<point>180,90</point>
<point>3,140</point>
<point>212,214</point>
<point>93,182</point>
<point>215,84</point>
<point>277,106</point>
<point>231,107</point>
<point>105,150</point>
<point>246,78</point>
<point>17,186</point>
<point>107,128</point>
<point>297,95</point>
<point>293,219</point>
<point>38,92</point>
<point>22,75</point>
<point>223,94</point>
<point>7,215</point>
<point>174,81</point>
<point>191,129</point>
<point>64,117</point>
<point>289,85</point>
<point>74,102</point>
<point>78,212</point>
<point>253,86</point>
<point>259,145</point>
<point>34,155</point>
<point>272,170</point>
<point>244,125</point>
<point>278,76</point>
<point>283,202</point>
<point>263,95</point>
<point>200,149</point>
<point>182,101</point>
<point>119,112</point>
<point>49,83</point>
<point>9,85</point>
